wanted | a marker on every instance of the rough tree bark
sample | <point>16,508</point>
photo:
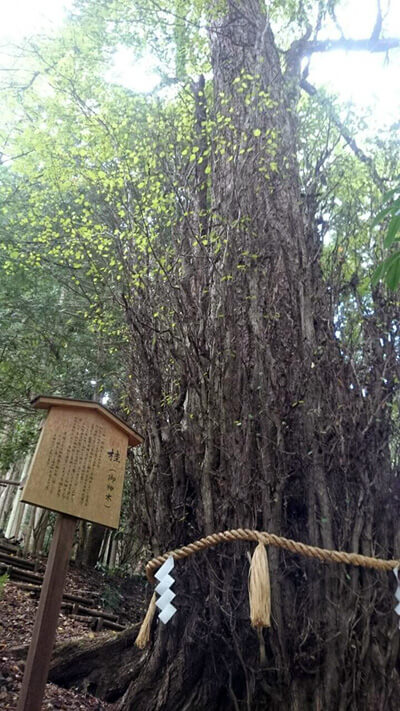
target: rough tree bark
<point>97,666</point>
<point>266,424</point>
<point>269,428</point>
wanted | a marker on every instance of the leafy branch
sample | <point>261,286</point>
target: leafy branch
<point>389,269</point>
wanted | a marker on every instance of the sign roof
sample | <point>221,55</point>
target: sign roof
<point>43,402</point>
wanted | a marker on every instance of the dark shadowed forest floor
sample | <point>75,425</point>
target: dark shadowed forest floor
<point>125,597</point>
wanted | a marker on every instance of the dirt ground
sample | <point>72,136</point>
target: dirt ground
<point>17,614</point>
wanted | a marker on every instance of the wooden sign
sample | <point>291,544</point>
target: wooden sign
<point>77,470</point>
<point>79,464</point>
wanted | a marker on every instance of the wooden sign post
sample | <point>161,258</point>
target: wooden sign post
<point>77,470</point>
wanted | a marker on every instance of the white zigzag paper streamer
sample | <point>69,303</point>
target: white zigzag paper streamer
<point>397,593</point>
<point>164,590</point>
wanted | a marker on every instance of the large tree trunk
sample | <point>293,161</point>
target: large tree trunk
<point>267,427</point>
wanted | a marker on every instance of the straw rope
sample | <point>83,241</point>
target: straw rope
<point>246,534</point>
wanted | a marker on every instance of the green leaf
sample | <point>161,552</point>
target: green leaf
<point>381,215</point>
<point>389,270</point>
<point>389,194</point>
<point>393,230</point>
<point>393,272</point>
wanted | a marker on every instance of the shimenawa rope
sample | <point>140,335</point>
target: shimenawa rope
<point>259,568</point>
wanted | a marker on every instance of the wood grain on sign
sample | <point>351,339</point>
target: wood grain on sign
<point>79,465</point>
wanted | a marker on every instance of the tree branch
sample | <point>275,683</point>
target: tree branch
<point>350,140</point>
<point>376,32</point>
<point>366,45</point>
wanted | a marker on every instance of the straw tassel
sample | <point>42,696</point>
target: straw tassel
<point>260,589</point>
<point>143,637</point>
